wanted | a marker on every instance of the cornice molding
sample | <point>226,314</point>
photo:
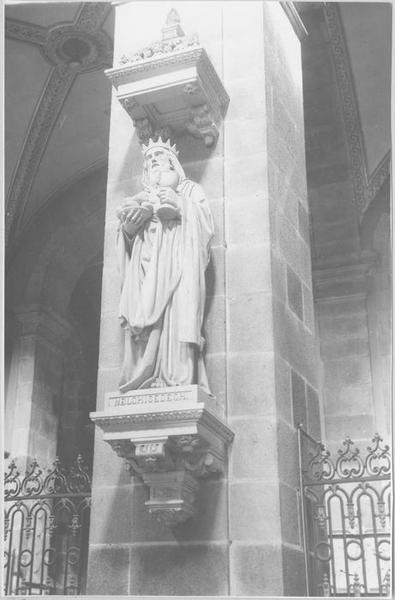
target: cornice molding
<point>47,111</point>
<point>87,23</point>
<point>365,186</point>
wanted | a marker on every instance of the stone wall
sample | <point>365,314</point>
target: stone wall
<point>341,265</point>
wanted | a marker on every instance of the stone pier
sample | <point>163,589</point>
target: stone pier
<point>261,352</point>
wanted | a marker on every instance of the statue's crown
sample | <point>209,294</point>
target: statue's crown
<point>161,144</point>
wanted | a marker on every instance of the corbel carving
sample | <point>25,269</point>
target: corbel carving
<point>171,85</point>
<point>201,125</point>
<point>170,438</point>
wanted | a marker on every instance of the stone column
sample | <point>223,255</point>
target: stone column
<point>34,386</point>
<point>259,327</point>
<point>272,367</point>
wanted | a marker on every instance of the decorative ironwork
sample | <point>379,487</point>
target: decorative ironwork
<point>46,529</point>
<point>346,517</point>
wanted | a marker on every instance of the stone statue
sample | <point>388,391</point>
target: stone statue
<point>163,248</point>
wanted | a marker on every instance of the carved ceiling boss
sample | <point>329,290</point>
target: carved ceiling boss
<point>163,247</point>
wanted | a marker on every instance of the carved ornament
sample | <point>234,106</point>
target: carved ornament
<point>171,85</point>
<point>365,185</point>
<point>170,438</point>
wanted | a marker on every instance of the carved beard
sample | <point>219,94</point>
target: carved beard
<point>175,167</point>
<point>164,177</point>
<point>154,176</point>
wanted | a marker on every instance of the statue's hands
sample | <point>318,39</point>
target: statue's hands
<point>139,198</point>
<point>136,217</point>
<point>130,205</point>
<point>168,196</point>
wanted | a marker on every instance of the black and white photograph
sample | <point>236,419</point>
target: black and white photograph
<point>197,298</point>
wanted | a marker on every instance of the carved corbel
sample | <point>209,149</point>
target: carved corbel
<point>171,438</point>
<point>145,131</point>
<point>201,125</point>
<point>152,80</point>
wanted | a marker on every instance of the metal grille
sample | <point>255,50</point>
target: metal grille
<point>346,518</point>
<point>46,529</point>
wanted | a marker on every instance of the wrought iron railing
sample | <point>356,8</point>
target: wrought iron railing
<point>46,529</point>
<point>346,518</point>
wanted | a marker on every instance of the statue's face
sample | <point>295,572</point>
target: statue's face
<point>157,161</point>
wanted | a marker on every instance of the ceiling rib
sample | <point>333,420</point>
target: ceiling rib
<point>89,20</point>
<point>364,186</point>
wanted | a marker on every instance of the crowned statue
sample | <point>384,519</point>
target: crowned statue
<point>163,246</point>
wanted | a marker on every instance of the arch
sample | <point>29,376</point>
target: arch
<point>42,274</point>
<point>61,241</point>
<point>380,204</point>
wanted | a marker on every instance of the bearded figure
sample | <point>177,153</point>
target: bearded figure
<point>163,247</point>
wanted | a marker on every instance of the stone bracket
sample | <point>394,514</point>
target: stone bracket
<point>171,87</point>
<point>171,438</point>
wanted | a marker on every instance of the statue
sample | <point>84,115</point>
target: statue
<point>163,247</point>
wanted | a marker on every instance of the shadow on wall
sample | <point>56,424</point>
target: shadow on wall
<point>41,277</point>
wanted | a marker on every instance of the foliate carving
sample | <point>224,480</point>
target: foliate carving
<point>199,102</point>
<point>191,88</point>
<point>173,40</point>
<point>350,108</point>
<point>129,104</point>
<point>36,141</point>
<point>144,128</point>
<point>165,133</point>
<point>92,15</point>
<point>201,125</point>
<point>122,448</point>
<point>365,187</point>
<point>379,176</point>
<point>25,32</point>
<point>170,448</point>
<point>158,49</point>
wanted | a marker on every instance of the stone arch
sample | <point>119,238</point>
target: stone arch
<point>61,244</point>
<point>61,240</point>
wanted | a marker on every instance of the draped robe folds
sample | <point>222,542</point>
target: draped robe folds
<point>163,295</point>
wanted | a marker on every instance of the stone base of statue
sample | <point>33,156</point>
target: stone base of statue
<point>171,437</point>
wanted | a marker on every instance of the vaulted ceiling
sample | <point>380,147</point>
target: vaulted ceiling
<point>57,98</point>
<point>57,101</point>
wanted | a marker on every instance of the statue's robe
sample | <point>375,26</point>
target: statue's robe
<point>163,295</point>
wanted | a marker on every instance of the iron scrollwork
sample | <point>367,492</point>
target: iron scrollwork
<point>346,501</point>
<point>46,523</point>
